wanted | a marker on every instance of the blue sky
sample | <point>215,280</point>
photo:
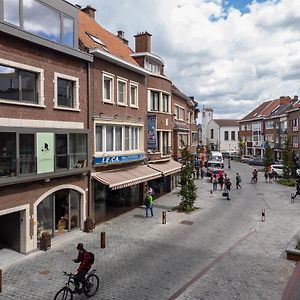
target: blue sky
<point>229,59</point>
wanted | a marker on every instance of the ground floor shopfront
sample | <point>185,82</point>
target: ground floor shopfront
<point>28,210</point>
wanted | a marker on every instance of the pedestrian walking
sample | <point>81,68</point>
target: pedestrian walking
<point>221,181</point>
<point>238,180</point>
<point>149,204</point>
<point>270,175</point>
<point>197,172</point>
<point>228,188</point>
<point>266,176</point>
<point>229,163</point>
<point>254,176</point>
<point>215,182</point>
<point>201,173</point>
<point>297,189</point>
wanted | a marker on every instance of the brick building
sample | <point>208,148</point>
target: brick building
<point>43,123</point>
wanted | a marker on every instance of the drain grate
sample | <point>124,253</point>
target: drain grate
<point>187,222</point>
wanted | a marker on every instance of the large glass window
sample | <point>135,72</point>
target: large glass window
<point>118,138</point>
<point>126,138</point>
<point>65,93</point>
<point>68,32</point>
<point>154,101</point>
<point>121,92</point>
<point>78,150</point>
<point>17,85</point>
<point>11,12</point>
<point>61,151</point>
<point>165,143</point>
<point>99,139</point>
<point>41,20</point>
<point>45,217</point>
<point>27,154</point>
<point>109,138</point>
<point>134,138</point>
<point>165,103</point>
<point>107,88</point>
<point>133,95</point>
<point>7,154</point>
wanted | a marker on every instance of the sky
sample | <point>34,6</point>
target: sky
<point>231,55</point>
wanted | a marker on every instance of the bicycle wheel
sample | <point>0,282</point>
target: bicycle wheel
<point>92,285</point>
<point>64,294</point>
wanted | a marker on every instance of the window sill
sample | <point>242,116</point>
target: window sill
<point>134,106</point>
<point>159,112</point>
<point>108,102</point>
<point>122,104</point>
<point>22,103</point>
<point>67,108</point>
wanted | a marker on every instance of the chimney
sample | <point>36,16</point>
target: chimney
<point>143,42</point>
<point>91,11</point>
<point>295,98</point>
<point>284,100</point>
<point>121,36</point>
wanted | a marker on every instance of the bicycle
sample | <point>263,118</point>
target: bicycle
<point>89,289</point>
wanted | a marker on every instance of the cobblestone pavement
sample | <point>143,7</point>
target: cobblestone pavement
<point>223,252</point>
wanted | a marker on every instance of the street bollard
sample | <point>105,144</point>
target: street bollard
<point>263,215</point>
<point>0,281</point>
<point>164,217</point>
<point>292,198</point>
<point>103,239</point>
<point>211,192</point>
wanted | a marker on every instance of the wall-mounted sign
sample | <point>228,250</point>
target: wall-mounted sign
<point>45,152</point>
<point>152,133</point>
<point>118,159</point>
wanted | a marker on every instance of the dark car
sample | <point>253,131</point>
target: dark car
<point>257,161</point>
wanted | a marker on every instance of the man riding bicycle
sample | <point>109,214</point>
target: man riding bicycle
<point>85,265</point>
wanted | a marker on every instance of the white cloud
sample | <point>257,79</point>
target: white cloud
<point>215,55</point>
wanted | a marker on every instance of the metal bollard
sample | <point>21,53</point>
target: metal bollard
<point>103,239</point>
<point>0,281</point>
<point>164,217</point>
<point>263,215</point>
<point>292,198</point>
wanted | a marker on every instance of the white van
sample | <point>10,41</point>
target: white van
<point>217,156</point>
<point>213,165</point>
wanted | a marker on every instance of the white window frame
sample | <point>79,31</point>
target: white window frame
<point>75,91</point>
<point>169,102</point>
<point>248,127</point>
<point>136,86</point>
<point>112,80</point>
<point>269,125</point>
<point>179,140</point>
<point>243,127</point>
<point>177,109</point>
<point>119,79</point>
<point>39,86</point>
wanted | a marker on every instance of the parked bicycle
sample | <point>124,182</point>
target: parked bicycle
<point>89,289</point>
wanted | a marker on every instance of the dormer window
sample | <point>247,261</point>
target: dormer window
<point>152,67</point>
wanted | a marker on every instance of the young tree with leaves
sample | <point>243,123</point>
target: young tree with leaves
<point>269,157</point>
<point>287,157</point>
<point>242,147</point>
<point>188,188</point>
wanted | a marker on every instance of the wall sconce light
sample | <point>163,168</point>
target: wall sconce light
<point>128,117</point>
<point>115,116</point>
<point>100,114</point>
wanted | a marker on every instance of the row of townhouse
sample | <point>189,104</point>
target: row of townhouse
<point>272,121</point>
<point>85,122</point>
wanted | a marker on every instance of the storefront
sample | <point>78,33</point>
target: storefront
<point>117,191</point>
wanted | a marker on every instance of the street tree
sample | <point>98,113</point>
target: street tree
<point>269,157</point>
<point>287,157</point>
<point>188,188</point>
<point>242,147</point>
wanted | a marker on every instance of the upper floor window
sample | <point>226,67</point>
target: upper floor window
<point>122,92</point>
<point>269,125</point>
<point>154,101</point>
<point>33,20</point>
<point>226,135</point>
<point>66,89</point>
<point>165,99</point>
<point>183,140</point>
<point>108,84</point>
<point>133,95</point>
<point>195,138</point>
<point>179,112</point>
<point>248,126</point>
<point>152,67</point>
<point>211,133</point>
<point>243,127</point>
<point>233,135</point>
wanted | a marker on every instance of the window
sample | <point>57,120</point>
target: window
<point>269,125</point>
<point>122,92</point>
<point>18,85</point>
<point>183,139</point>
<point>108,88</point>
<point>66,89</point>
<point>194,138</point>
<point>165,143</point>
<point>154,101</point>
<point>248,126</point>
<point>256,126</point>
<point>7,154</point>
<point>243,127</point>
<point>35,21</point>
<point>61,151</point>
<point>152,67</point>
<point>78,150</point>
<point>68,31</point>
<point>226,138</point>
<point>27,154</point>
<point>116,138</point>
<point>233,135</point>
<point>165,100</point>
<point>248,138</point>
<point>211,133</point>
<point>179,112</point>
<point>133,95</point>
<point>11,12</point>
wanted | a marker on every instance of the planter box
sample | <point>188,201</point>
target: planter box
<point>291,252</point>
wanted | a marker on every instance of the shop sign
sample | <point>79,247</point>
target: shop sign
<point>117,159</point>
<point>152,134</point>
<point>45,152</point>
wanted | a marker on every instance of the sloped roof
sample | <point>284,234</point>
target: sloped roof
<point>266,108</point>
<point>226,122</point>
<point>112,44</point>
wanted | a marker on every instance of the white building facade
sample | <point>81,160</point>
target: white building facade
<point>206,117</point>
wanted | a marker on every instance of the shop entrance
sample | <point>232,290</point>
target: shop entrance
<point>59,213</point>
<point>10,230</point>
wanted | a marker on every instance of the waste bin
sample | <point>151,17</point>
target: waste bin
<point>88,224</point>
<point>45,241</point>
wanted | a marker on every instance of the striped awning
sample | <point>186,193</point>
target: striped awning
<point>122,178</point>
<point>167,168</point>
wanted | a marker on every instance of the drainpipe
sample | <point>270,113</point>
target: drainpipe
<point>89,124</point>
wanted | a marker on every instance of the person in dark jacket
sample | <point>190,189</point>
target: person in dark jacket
<point>297,188</point>
<point>85,265</point>
<point>227,187</point>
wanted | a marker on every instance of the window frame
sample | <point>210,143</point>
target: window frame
<point>136,86</point>
<point>226,133</point>
<point>39,83</point>
<point>111,77</point>
<point>75,80</point>
<point>124,81</point>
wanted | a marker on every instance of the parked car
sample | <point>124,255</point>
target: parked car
<point>246,158</point>
<point>256,161</point>
<point>278,168</point>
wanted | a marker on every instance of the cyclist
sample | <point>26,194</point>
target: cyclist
<point>85,265</point>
